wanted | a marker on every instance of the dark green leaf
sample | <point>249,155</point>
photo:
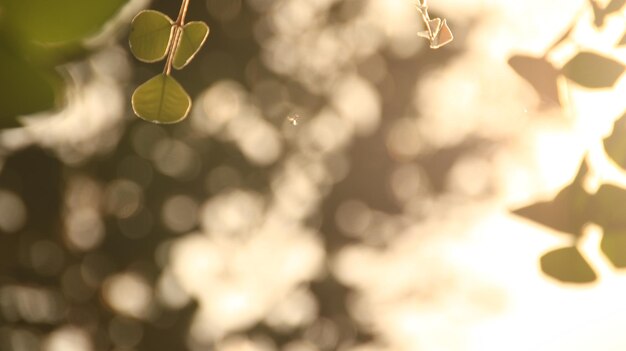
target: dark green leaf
<point>567,212</point>
<point>567,265</point>
<point>541,75</point>
<point>614,247</point>
<point>192,38</point>
<point>592,70</point>
<point>615,144</point>
<point>161,100</point>
<point>150,36</point>
<point>59,21</point>
<point>25,89</point>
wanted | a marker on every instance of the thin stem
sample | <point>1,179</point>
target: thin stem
<point>422,7</point>
<point>183,12</point>
<point>178,28</point>
<point>172,48</point>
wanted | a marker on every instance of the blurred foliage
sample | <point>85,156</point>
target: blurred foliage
<point>137,178</point>
<point>615,144</point>
<point>567,212</point>
<point>26,88</point>
<point>570,211</point>
<point>573,207</point>
<point>36,36</point>
<point>600,12</point>
<point>593,70</point>
<point>567,264</point>
<point>60,22</point>
<point>541,75</point>
<point>141,179</point>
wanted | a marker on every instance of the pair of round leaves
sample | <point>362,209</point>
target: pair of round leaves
<point>162,99</point>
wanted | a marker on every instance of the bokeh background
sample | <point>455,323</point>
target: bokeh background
<point>337,186</point>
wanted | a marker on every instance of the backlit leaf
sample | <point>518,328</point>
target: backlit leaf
<point>614,247</point>
<point>622,41</point>
<point>614,6</point>
<point>567,265</point>
<point>592,70</point>
<point>615,144</point>
<point>600,13</point>
<point>161,100</point>
<point>541,75</point>
<point>193,36</point>
<point>567,212</point>
<point>150,36</point>
<point>606,207</point>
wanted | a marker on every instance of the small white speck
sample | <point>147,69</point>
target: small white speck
<point>293,119</point>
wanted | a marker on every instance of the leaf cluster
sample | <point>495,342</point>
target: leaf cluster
<point>573,208</point>
<point>153,38</point>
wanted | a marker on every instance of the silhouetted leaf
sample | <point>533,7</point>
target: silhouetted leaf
<point>622,41</point>
<point>161,100</point>
<point>614,247</point>
<point>567,212</point>
<point>592,70</point>
<point>615,144</point>
<point>601,13</point>
<point>24,89</point>
<point>192,38</point>
<point>607,207</point>
<point>540,74</point>
<point>150,36</point>
<point>614,6</point>
<point>598,14</point>
<point>607,210</point>
<point>567,265</point>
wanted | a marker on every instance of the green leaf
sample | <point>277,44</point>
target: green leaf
<point>161,100</point>
<point>25,89</point>
<point>614,247</point>
<point>615,144</point>
<point>150,36</point>
<point>567,212</point>
<point>592,70</point>
<point>541,75</point>
<point>59,21</point>
<point>606,207</point>
<point>192,38</point>
<point>567,265</point>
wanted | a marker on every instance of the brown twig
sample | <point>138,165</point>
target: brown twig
<point>178,28</point>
